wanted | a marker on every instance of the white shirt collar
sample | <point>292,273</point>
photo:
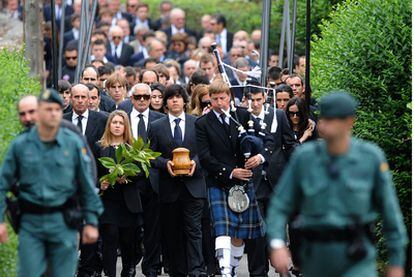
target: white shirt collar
<point>223,33</point>
<point>135,113</point>
<point>172,117</point>
<point>218,114</point>
<point>175,30</point>
<point>85,115</point>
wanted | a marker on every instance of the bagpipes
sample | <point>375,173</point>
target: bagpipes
<point>251,140</point>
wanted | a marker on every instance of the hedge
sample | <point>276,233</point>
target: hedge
<point>365,48</point>
<point>15,82</point>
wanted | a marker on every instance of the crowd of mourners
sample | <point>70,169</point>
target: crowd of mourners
<point>145,69</point>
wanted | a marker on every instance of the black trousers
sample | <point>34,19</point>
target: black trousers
<point>209,252</point>
<point>89,261</point>
<point>112,237</point>
<point>181,225</point>
<point>257,249</point>
<point>152,232</point>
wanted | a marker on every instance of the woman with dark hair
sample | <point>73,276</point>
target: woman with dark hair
<point>283,94</point>
<point>123,211</point>
<point>157,94</point>
<point>301,124</point>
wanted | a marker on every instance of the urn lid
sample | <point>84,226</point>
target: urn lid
<point>181,150</point>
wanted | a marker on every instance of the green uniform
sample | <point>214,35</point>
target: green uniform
<point>48,174</point>
<point>361,188</point>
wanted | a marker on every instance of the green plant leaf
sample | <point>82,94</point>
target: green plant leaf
<point>107,162</point>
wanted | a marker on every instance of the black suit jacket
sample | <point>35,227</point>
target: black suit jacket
<point>162,141</point>
<point>126,53</point>
<point>130,191</point>
<point>68,36</point>
<point>229,41</point>
<point>95,126</point>
<point>126,106</point>
<point>153,177</point>
<point>284,144</point>
<point>47,14</point>
<point>107,104</point>
<point>220,154</point>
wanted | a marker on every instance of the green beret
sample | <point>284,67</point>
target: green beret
<point>50,95</point>
<point>337,105</point>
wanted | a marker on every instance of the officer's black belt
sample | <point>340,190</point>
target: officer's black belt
<point>32,208</point>
<point>338,234</point>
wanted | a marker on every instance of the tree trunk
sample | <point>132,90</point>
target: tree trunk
<point>33,36</point>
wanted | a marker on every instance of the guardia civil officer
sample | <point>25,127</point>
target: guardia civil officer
<point>336,187</point>
<point>53,171</point>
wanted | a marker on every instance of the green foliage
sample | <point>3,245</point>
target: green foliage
<point>247,15</point>
<point>15,82</point>
<point>365,48</point>
<point>126,158</point>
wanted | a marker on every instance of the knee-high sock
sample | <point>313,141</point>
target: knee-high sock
<point>236,256</point>
<point>223,254</point>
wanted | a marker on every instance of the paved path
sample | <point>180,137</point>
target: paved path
<point>243,272</point>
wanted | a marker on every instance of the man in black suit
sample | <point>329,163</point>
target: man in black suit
<point>71,58</point>
<point>118,52</point>
<point>181,197</point>
<point>140,117</point>
<point>115,8</point>
<point>141,18</point>
<point>91,123</point>
<point>221,156</point>
<point>47,13</point>
<point>90,75</point>
<point>177,18</point>
<point>72,34</point>
<point>223,36</point>
<point>284,143</point>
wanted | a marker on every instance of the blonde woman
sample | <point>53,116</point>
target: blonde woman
<point>200,100</point>
<point>122,215</point>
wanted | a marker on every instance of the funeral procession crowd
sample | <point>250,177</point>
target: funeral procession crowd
<point>270,174</point>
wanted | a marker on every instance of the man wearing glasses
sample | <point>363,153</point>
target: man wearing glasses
<point>118,52</point>
<point>71,58</point>
<point>141,117</point>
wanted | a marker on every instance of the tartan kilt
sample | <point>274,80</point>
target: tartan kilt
<point>246,225</point>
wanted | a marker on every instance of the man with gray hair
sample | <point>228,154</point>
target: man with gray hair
<point>177,19</point>
<point>240,78</point>
<point>118,52</point>
<point>140,117</point>
<point>189,68</point>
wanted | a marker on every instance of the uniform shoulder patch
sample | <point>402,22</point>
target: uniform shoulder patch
<point>84,151</point>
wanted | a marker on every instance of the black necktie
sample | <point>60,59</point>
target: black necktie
<point>80,117</point>
<point>142,132</point>
<point>225,124</point>
<point>116,54</point>
<point>178,135</point>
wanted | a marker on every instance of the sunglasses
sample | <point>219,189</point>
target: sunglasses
<point>292,114</point>
<point>141,97</point>
<point>89,79</point>
<point>28,112</point>
<point>71,58</point>
<point>116,37</point>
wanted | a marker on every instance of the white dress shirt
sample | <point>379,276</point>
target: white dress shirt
<point>118,49</point>
<point>75,33</point>
<point>171,118</point>
<point>84,120</point>
<point>222,39</point>
<point>135,120</point>
<point>219,118</point>
<point>175,30</point>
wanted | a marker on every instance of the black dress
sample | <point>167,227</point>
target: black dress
<point>116,210</point>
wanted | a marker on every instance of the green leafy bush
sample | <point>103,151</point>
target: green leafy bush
<point>15,82</point>
<point>365,48</point>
